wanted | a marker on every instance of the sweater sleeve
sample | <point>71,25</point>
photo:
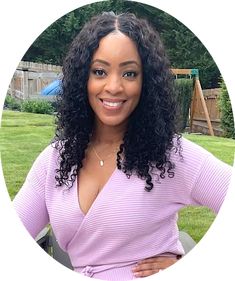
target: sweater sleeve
<point>30,202</point>
<point>211,184</point>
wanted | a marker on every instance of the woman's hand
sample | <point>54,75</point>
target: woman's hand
<point>150,266</point>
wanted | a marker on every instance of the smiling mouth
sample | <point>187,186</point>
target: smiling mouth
<point>112,104</point>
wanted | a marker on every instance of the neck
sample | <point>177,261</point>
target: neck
<point>108,134</point>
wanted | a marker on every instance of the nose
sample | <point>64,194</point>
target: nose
<point>113,84</point>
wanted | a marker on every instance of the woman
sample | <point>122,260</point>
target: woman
<point>117,173</point>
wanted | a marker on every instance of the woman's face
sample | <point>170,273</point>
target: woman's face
<point>115,79</point>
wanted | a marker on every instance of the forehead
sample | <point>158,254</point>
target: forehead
<point>117,46</point>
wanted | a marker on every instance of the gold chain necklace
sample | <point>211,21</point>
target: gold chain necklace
<point>101,161</point>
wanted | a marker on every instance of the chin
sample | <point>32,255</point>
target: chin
<point>113,122</point>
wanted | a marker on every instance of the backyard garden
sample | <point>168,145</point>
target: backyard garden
<point>24,135</point>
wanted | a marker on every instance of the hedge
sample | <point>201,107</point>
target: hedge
<point>183,92</point>
<point>34,106</point>
<point>227,120</point>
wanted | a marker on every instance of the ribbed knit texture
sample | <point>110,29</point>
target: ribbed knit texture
<point>125,224</point>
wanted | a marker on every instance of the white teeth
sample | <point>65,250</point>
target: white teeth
<point>112,104</point>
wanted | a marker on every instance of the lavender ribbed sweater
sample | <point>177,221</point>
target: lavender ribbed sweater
<point>125,224</point>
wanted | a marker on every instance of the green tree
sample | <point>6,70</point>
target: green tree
<point>183,48</point>
<point>52,45</point>
<point>186,51</point>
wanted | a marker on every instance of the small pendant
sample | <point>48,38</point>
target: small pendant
<point>101,163</point>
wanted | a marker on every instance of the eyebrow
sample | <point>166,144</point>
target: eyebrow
<point>121,64</point>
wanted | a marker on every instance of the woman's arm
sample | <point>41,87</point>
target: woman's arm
<point>212,183</point>
<point>30,202</point>
<point>209,189</point>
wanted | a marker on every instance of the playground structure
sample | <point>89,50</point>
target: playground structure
<point>197,95</point>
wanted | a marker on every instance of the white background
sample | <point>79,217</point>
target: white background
<point>21,22</point>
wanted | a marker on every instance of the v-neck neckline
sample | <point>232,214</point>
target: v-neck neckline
<point>97,197</point>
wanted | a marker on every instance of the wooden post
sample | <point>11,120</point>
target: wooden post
<point>198,90</point>
<point>25,84</point>
<point>192,109</point>
<point>184,71</point>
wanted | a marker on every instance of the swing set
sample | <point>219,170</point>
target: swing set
<point>197,94</point>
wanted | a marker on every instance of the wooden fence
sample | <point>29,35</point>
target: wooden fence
<point>30,78</point>
<point>199,122</point>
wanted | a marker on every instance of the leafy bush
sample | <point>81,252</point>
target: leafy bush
<point>12,103</point>
<point>183,92</point>
<point>227,121</point>
<point>37,106</point>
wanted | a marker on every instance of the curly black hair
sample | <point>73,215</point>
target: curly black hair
<point>151,131</point>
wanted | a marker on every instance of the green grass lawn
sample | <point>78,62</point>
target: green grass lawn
<point>24,135</point>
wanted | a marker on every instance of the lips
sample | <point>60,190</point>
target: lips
<point>112,103</point>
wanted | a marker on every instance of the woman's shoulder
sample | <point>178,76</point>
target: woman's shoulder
<point>51,150</point>
<point>184,147</point>
<point>48,156</point>
<point>188,154</point>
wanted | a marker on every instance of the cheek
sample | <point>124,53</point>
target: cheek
<point>136,95</point>
<point>93,88</point>
<point>134,91</point>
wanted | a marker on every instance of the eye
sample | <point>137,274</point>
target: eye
<point>99,72</point>
<point>130,74</point>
